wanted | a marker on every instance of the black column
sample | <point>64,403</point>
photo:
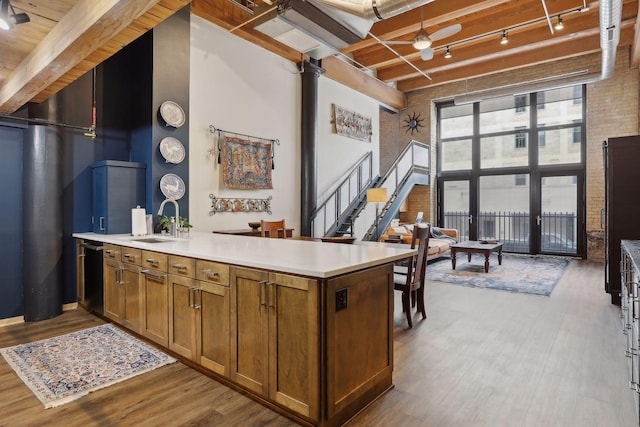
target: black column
<point>309,137</point>
<point>42,215</point>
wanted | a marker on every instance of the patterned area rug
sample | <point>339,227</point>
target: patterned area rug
<point>61,369</point>
<point>518,273</point>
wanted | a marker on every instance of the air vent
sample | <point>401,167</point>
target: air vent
<point>304,27</point>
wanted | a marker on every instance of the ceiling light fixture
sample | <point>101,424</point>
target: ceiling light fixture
<point>505,37</point>
<point>7,21</point>
<point>559,25</point>
<point>447,54</point>
<point>421,40</point>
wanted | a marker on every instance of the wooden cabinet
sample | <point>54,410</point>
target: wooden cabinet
<point>319,349</point>
<point>155,300</point>
<point>121,289</point>
<point>199,322</point>
<point>621,197</point>
<point>275,338</point>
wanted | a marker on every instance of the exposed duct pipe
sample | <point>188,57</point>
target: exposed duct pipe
<point>374,9</point>
<point>610,24</point>
<point>610,21</point>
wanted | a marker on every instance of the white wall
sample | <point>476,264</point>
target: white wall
<point>336,153</point>
<point>238,86</point>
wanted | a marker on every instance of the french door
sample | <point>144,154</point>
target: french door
<point>557,221</point>
<point>542,217</point>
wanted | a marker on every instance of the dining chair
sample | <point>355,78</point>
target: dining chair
<point>273,229</point>
<point>413,282</point>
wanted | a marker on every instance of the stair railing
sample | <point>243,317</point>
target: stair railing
<point>346,193</point>
<point>414,158</point>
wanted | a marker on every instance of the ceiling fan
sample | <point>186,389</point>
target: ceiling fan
<point>422,41</point>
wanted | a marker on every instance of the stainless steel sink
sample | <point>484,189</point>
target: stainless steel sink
<point>152,240</point>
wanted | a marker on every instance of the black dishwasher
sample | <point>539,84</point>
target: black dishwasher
<point>93,291</point>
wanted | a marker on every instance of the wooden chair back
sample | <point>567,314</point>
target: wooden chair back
<point>414,281</point>
<point>273,229</point>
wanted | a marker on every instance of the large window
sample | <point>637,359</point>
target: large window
<point>504,148</point>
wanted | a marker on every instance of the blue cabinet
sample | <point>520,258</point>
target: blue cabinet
<point>117,188</point>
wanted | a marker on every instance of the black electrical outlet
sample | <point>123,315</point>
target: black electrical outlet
<point>342,296</point>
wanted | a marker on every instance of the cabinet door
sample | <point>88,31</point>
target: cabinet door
<point>112,290</point>
<point>249,329</point>
<point>132,300</point>
<point>182,316</point>
<point>155,323</point>
<point>212,307</point>
<point>294,343</point>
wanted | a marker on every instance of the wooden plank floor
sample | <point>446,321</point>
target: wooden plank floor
<point>482,358</point>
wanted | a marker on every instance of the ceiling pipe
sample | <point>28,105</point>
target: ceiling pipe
<point>610,24</point>
<point>374,9</point>
<point>610,21</point>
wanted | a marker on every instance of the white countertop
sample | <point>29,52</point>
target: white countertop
<point>306,258</point>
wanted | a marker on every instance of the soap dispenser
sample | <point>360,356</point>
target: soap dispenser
<point>173,230</point>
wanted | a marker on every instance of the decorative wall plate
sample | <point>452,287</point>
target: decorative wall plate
<point>172,149</point>
<point>172,113</point>
<point>172,186</point>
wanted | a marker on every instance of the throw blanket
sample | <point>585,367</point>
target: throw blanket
<point>437,233</point>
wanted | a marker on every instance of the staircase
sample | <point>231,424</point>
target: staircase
<point>338,213</point>
<point>410,168</point>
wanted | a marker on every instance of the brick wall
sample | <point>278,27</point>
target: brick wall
<point>390,133</point>
<point>612,110</point>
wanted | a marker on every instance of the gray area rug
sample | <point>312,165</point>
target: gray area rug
<point>527,274</point>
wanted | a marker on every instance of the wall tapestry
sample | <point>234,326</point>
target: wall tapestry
<point>351,124</point>
<point>246,164</point>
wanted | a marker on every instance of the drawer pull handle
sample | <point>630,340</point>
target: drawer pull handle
<point>109,252</point>
<point>179,267</point>
<point>155,276</point>
<point>210,273</point>
<point>128,256</point>
<point>153,261</point>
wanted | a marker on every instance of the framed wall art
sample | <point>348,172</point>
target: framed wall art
<point>351,124</point>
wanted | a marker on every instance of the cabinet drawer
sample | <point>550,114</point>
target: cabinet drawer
<point>213,272</point>
<point>131,255</point>
<point>154,260</point>
<point>111,251</point>
<point>182,266</point>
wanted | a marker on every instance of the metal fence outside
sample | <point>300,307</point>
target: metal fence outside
<point>558,229</point>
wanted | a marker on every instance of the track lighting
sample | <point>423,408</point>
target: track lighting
<point>505,37</point>
<point>559,25</point>
<point>8,20</point>
<point>447,54</point>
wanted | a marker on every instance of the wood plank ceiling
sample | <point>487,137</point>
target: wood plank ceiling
<point>67,38</point>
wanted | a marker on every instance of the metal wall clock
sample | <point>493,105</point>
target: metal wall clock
<point>413,123</point>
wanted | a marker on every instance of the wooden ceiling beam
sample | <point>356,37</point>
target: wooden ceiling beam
<point>482,25</point>
<point>354,78</point>
<point>227,16</point>
<point>578,47</point>
<point>86,27</point>
<point>492,50</point>
<point>158,13</point>
<point>433,13</point>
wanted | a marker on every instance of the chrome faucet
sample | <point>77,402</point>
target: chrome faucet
<point>174,230</point>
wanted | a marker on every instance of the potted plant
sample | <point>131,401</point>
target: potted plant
<point>164,223</point>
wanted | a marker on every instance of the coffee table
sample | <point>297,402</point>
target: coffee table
<point>477,247</point>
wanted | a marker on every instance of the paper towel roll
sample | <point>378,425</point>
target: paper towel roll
<point>138,221</point>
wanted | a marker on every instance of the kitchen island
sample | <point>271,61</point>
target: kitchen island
<point>305,327</point>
